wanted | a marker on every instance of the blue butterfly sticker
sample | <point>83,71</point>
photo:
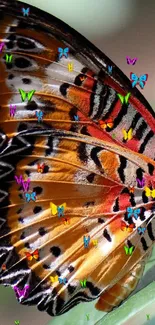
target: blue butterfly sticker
<point>62,281</point>
<point>141,230</point>
<point>131,212</point>
<point>39,115</point>
<point>63,52</point>
<point>61,211</point>
<point>138,80</point>
<point>86,241</point>
<point>76,118</point>
<point>110,69</point>
<point>25,11</point>
<point>30,196</point>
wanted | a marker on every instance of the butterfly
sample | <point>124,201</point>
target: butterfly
<point>8,58</point>
<point>70,67</point>
<point>149,192</point>
<point>26,11</point>
<point>107,123</point>
<point>3,267</point>
<point>54,278</point>
<point>66,221</point>
<point>17,322</point>
<point>131,189</point>
<point>140,183</point>
<point>141,230</point>
<point>26,184</point>
<point>124,99</point>
<point>39,115</point>
<point>19,179</point>
<point>60,209</point>
<point>76,118</point>
<point>131,61</point>
<point>86,241</point>
<point>110,69</point>
<point>83,283</point>
<point>131,212</point>
<point>62,281</point>
<point>30,196</point>
<point>138,80</point>
<point>95,242</point>
<point>26,95</point>
<point>1,46</point>
<point>63,52</point>
<point>40,168</point>
<point>22,292</point>
<point>127,135</point>
<point>126,227</point>
<point>12,110</point>
<point>128,250</point>
<point>31,256</point>
<point>85,164</point>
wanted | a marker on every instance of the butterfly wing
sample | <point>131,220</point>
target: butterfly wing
<point>142,79</point>
<point>78,157</point>
<point>128,60</point>
<point>134,78</point>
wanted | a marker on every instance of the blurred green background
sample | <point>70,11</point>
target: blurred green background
<point>119,28</point>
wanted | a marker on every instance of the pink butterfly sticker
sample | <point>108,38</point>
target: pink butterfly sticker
<point>131,61</point>
<point>22,292</point>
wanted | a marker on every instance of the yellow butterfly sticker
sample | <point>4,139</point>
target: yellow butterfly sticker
<point>58,209</point>
<point>54,278</point>
<point>127,135</point>
<point>149,192</point>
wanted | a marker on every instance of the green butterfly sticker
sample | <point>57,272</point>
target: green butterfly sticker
<point>128,250</point>
<point>17,322</point>
<point>8,58</point>
<point>124,99</point>
<point>27,95</point>
<point>83,283</point>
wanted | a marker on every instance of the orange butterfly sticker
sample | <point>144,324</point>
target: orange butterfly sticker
<point>131,189</point>
<point>129,228</point>
<point>66,221</point>
<point>40,168</point>
<point>3,267</point>
<point>107,123</point>
<point>34,255</point>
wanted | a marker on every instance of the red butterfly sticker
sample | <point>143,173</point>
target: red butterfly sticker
<point>40,168</point>
<point>107,123</point>
<point>34,255</point>
<point>126,227</point>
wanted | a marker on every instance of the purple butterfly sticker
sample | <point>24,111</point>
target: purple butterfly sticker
<point>22,292</point>
<point>1,46</point>
<point>131,61</point>
<point>140,183</point>
<point>12,110</point>
<point>19,179</point>
<point>26,185</point>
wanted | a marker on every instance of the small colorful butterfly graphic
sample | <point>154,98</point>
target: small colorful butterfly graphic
<point>76,118</point>
<point>140,183</point>
<point>128,250</point>
<point>141,230</point>
<point>127,135</point>
<point>26,185</point>
<point>12,110</point>
<point>63,52</point>
<point>95,242</point>
<point>106,124</point>
<point>82,78</point>
<point>30,196</point>
<point>26,95</point>
<point>25,12</point>
<point>131,61</point>
<point>110,69</point>
<point>3,267</point>
<point>1,46</point>
<point>83,283</point>
<point>86,241</point>
<point>19,179</point>
<point>17,322</point>
<point>138,80</point>
<point>22,292</point>
<point>60,209</point>
<point>70,67</point>
<point>125,227</point>
<point>31,256</point>
<point>149,192</point>
<point>131,189</point>
<point>113,135</point>
<point>39,115</point>
<point>131,212</point>
<point>124,99</point>
<point>40,168</point>
<point>66,221</point>
<point>8,58</point>
<point>54,278</point>
<point>62,281</point>
<point>148,316</point>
